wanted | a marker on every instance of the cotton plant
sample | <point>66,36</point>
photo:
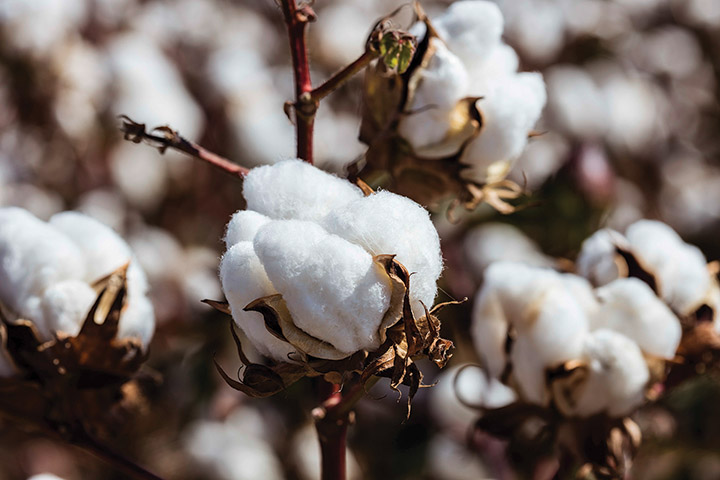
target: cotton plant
<point>459,117</point>
<point>75,318</point>
<point>327,279</point>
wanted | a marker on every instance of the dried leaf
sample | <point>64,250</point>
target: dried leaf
<point>219,305</point>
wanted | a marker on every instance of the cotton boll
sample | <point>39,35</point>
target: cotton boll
<point>333,289</point>
<point>103,249</point>
<point>493,242</point>
<point>33,256</point>
<point>490,328</point>
<point>243,226</point>
<point>471,29</point>
<point>617,377</point>
<point>243,281</point>
<point>509,112</point>
<point>65,306</point>
<point>681,268</point>
<point>596,260</point>
<point>484,75</point>
<point>385,223</point>
<point>105,205</point>
<point>630,307</point>
<point>293,189</point>
<point>440,86</point>
<point>582,291</point>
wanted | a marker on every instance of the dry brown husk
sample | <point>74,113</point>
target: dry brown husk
<point>75,384</point>
<point>405,339</point>
<point>435,172</point>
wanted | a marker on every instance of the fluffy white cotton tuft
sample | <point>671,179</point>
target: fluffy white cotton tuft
<point>386,223</point>
<point>440,86</point>
<point>243,226</point>
<point>333,289</point>
<point>293,189</point>
<point>617,377</point>
<point>47,271</point>
<point>509,112</point>
<point>596,260</point>
<point>471,28</point>
<point>244,280</point>
<point>629,306</point>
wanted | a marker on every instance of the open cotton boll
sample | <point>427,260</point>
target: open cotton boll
<point>617,377</point>
<point>509,112</point>
<point>681,268</point>
<point>596,260</point>
<point>629,306</point>
<point>333,289</point>
<point>502,62</point>
<point>582,291</point>
<point>33,256</point>
<point>138,319</point>
<point>471,28</point>
<point>243,226</point>
<point>441,84</point>
<point>65,306</point>
<point>103,249</point>
<point>243,281</point>
<point>293,189</point>
<point>386,223</point>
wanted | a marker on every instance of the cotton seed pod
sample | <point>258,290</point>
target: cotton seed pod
<point>317,275</point>
<point>458,118</point>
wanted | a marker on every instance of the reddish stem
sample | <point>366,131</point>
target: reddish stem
<point>305,107</point>
<point>332,432</point>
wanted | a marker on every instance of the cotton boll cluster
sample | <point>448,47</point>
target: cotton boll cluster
<point>237,448</point>
<point>469,60</point>
<point>676,270</point>
<point>49,269</point>
<point>311,237</point>
<point>560,343</point>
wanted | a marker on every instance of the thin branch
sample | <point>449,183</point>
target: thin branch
<point>296,19</point>
<point>169,138</point>
<point>343,75</point>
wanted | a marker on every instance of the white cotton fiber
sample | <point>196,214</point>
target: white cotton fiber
<point>471,28</point>
<point>243,226</point>
<point>439,87</point>
<point>243,281</point>
<point>629,306</point>
<point>33,256</point>
<point>679,267</point>
<point>103,249</point>
<point>509,112</point>
<point>138,319</point>
<point>65,306</point>
<point>333,289</point>
<point>617,378</point>
<point>489,329</point>
<point>596,260</point>
<point>293,189</point>
<point>386,223</point>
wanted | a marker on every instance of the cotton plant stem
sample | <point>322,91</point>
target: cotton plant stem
<point>167,138</point>
<point>337,80</point>
<point>297,19</point>
<point>332,419</point>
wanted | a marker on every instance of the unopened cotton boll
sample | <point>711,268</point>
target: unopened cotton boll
<point>332,287</point>
<point>616,378</point>
<point>296,189</point>
<point>630,307</point>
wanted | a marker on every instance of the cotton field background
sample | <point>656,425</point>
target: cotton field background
<point>583,234</point>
